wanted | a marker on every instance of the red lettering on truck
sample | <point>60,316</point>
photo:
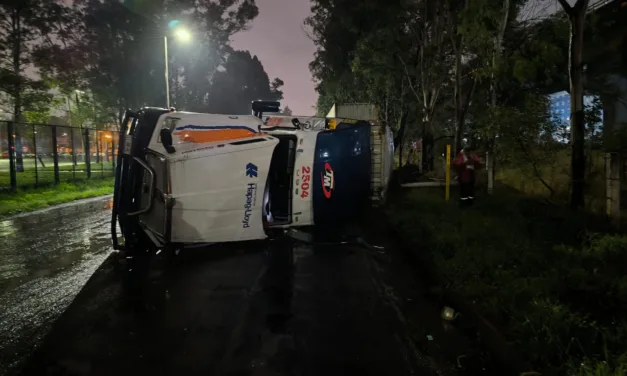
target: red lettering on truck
<point>304,187</point>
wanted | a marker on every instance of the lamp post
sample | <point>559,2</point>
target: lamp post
<point>167,74</point>
<point>182,35</point>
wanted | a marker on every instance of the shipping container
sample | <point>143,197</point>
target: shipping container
<point>358,111</point>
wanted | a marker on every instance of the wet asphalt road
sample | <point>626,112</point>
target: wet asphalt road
<point>261,308</point>
<point>45,259</point>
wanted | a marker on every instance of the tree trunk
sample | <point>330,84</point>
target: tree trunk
<point>577,121</point>
<point>428,163</point>
<point>398,143</point>
<point>17,52</point>
<point>496,54</point>
<point>459,115</point>
<point>427,143</point>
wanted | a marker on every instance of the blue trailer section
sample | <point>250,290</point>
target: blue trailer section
<point>341,173</point>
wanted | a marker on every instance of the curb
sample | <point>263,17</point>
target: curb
<point>59,206</point>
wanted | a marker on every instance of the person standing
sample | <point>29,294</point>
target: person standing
<point>413,152</point>
<point>466,163</point>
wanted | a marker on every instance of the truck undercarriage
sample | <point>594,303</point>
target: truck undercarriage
<point>279,186</point>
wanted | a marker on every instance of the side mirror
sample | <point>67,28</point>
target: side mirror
<point>166,140</point>
<point>259,107</point>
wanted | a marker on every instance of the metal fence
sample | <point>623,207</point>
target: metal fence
<point>33,155</point>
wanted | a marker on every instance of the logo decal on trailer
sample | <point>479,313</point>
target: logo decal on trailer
<point>328,181</point>
<point>251,170</point>
<point>251,195</point>
<point>306,181</point>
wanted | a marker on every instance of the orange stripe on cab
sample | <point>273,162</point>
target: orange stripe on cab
<point>213,135</point>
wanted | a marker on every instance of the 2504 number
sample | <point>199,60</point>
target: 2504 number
<point>306,176</point>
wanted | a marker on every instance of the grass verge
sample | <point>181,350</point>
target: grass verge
<point>32,177</point>
<point>32,199</point>
<point>542,274</point>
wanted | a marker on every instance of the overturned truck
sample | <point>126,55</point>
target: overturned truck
<point>186,178</point>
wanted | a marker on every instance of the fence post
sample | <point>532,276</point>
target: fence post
<point>113,152</point>
<point>97,146</point>
<point>19,157</point>
<point>87,153</point>
<point>35,147</point>
<point>73,154</point>
<point>98,160</point>
<point>12,155</point>
<point>55,154</point>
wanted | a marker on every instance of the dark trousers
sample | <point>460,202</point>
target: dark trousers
<point>467,191</point>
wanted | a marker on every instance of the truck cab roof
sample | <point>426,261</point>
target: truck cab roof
<point>192,131</point>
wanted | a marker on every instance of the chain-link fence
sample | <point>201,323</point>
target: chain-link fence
<point>42,154</point>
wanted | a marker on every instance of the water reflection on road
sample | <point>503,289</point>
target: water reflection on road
<point>45,259</point>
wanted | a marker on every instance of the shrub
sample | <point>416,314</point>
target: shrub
<point>533,270</point>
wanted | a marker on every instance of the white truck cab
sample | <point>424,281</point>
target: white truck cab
<point>187,178</point>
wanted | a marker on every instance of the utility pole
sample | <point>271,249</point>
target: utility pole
<point>167,74</point>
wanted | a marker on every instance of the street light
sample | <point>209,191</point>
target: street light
<point>182,35</point>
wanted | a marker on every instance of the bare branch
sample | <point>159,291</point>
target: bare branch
<point>534,165</point>
<point>411,85</point>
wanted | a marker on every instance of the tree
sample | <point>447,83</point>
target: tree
<point>526,139</point>
<point>241,81</point>
<point>427,72</point>
<point>577,18</point>
<point>336,28</point>
<point>25,23</point>
<point>377,72</point>
<point>40,105</point>
<point>287,111</point>
<point>482,28</point>
<point>386,53</point>
<point>439,70</point>
<point>116,50</point>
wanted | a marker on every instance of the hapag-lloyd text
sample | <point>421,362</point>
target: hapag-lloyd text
<point>251,201</point>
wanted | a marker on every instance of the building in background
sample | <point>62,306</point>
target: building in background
<point>560,111</point>
<point>560,105</point>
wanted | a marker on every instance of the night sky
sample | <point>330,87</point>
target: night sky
<point>276,36</point>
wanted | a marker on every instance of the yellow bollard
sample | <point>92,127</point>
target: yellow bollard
<point>448,173</point>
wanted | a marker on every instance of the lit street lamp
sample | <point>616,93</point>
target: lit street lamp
<point>182,35</point>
